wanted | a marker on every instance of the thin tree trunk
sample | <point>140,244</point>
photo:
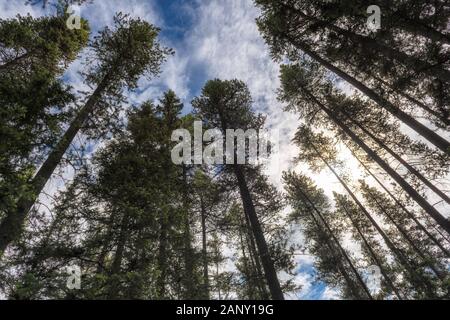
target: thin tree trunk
<point>217,280</point>
<point>441,234</point>
<point>408,212</point>
<point>395,90</point>
<point>14,61</point>
<point>413,100</point>
<point>105,244</point>
<point>204,250</point>
<point>418,279</point>
<point>441,220</point>
<point>373,255</point>
<point>399,20</point>
<point>399,158</point>
<point>342,252</point>
<point>248,271</point>
<point>417,28</point>
<point>403,232</point>
<point>249,209</point>
<point>388,52</point>
<point>190,292</point>
<point>421,129</point>
<point>162,258</point>
<point>12,225</point>
<point>102,255</point>
<point>255,259</point>
<point>113,291</point>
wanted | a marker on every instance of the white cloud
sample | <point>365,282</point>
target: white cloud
<point>101,13</point>
<point>330,294</point>
<point>223,42</point>
<point>11,8</point>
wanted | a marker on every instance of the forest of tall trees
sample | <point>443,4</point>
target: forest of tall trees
<point>373,110</point>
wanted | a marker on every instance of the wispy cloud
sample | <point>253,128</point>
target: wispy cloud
<point>220,40</point>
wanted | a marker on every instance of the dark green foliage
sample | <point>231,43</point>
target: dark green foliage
<point>118,58</point>
<point>141,227</point>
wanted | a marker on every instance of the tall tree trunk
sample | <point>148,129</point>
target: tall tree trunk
<point>105,244</point>
<point>398,158</point>
<point>421,129</point>
<point>12,225</point>
<point>331,238</point>
<point>204,250</point>
<point>113,291</point>
<point>253,254</point>
<point>373,254</point>
<point>162,258</point>
<point>386,51</point>
<point>189,286</point>
<point>419,280</point>
<point>249,209</point>
<point>408,212</point>
<point>445,237</point>
<point>405,235</point>
<point>217,282</point>
<point>248,272</point>
<point>400,19</point>
<point>441,220</point>
<point>416,27</point>
<point>14,61</point>
<point>442,117</point>
<point>188,252</point>
<point>102,255</point>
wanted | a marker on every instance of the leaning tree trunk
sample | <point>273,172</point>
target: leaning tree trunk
<point>419,280</point>
<point>113,290</point>
<point>408,212</point>
<point>14,61</point>
<point>248,272</point>
<point>162,257</point>
<point>398,158</point>
<point>441,220</point>
<point>441,117</point>
<point>399,20</point>
<point>417,28</point>
<point>255,261</point>
<point>421,129</point>
<point>425,259</point>
<point>340,249</point>
<point>204,250</point>
<point>249,209</point>
<point>386,51</point>
<point>12,225</point>
<point>373,254</point>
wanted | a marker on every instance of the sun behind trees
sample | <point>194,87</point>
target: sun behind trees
<point>373,109</point>
<point>393,81</point>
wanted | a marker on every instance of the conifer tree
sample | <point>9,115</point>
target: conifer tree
<point>298,93</point>
<point>227,105</point>
<point>293,27</point>
<point>312,210</point>
<point>120,57</point>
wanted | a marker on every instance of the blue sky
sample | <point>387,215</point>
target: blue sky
<point>212,39</point>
